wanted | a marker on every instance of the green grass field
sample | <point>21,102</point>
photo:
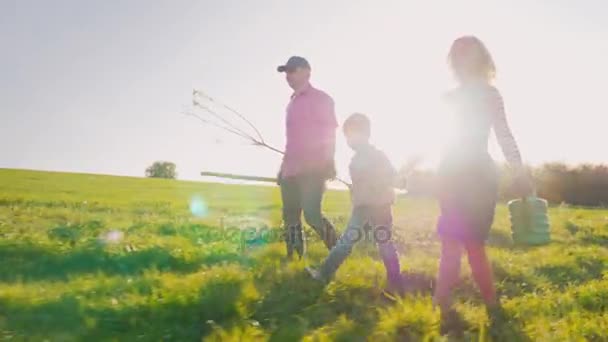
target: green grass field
<point>88,257</point>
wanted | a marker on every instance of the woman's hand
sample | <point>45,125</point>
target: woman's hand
<point>523,185</point>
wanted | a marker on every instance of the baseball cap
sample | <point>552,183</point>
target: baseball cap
<point>293,63</point>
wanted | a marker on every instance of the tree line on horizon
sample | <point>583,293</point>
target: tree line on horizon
<point>582,184</point>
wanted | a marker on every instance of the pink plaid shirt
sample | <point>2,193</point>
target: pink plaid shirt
<point>311,133</point>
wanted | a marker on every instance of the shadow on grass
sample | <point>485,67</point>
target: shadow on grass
<point>171,318</point>
<point>294,305</point>
<point>30,262</point>
<point>418,283</point>
<point>596,240</point>
<point>512,284</point>
<point>503,240</point>
<point>507,284</point>
<point>582,270</point>
<point>287,297</point>
<point>505,327</point>
<point>500,239</point>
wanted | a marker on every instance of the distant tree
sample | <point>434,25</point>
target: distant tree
<point>161,169</point>
<point>555,181</point>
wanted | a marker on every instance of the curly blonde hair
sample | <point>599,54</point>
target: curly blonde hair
<point>470,59</point>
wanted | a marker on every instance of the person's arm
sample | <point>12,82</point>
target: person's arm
<point>323,142</point>
<point>504,136</point>
<point>523,184</point>
<point>384,172</point>
<point>327,123</point>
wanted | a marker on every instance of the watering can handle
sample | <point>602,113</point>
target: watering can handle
<point>532,186</point>
<point>524,198</point>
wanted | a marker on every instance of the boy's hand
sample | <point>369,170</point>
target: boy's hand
<point>410,165</point>
<point>406,170</point>
<point>401,182</point>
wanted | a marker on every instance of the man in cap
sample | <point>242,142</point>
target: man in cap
<point>309,157</point>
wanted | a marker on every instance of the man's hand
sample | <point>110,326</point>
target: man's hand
<point>331,170</point>
<point>350,190</point>
<point>279,177</point>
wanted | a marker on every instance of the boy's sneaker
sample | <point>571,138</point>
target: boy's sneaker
<point>329,236</point>
<point>394,289</point>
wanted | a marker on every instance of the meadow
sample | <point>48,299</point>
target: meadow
<point>104,258</point>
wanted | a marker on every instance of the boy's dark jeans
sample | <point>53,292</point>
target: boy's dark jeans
<point>304,193</point>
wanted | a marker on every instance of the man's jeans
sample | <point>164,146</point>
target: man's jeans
<point>366,222</point>
<point>304,193</point>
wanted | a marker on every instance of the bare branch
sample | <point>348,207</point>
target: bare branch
<point>219,117</point>
<point>228,129</point>
<point>228,126</point>
<point>261,138</point>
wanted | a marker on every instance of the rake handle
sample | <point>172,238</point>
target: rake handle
<point>239,177</point>
<point>249,178</point>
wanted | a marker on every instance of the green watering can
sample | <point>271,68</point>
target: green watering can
<point>529,221</point>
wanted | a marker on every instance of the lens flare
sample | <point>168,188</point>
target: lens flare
<point>113,236</point>
<point>198,207</point>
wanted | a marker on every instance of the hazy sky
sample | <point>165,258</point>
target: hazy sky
<point>97,86</point>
